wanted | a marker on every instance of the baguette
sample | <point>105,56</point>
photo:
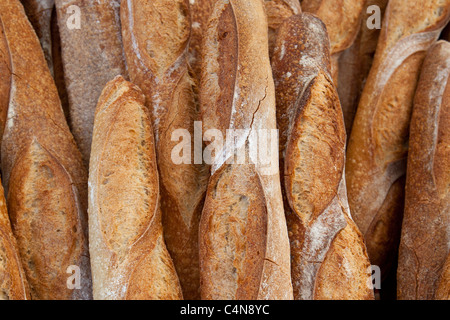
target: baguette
<point>244,246</point>
<point>277,11</point>
<point>200,12</point>
<point>129,258</point>
<point>355,63</point>
<point>39,12</point>
<point>378,144</point>
<point>13,282</point>
<point>44,177</point>
<point>312,154</point>
<point>342,18</point>
<point>92,55</point>
<point>424,243</point>
<point>157,57</point>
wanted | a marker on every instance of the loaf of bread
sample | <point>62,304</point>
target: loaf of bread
<point>424,243</point>
<point>92,55</point>
<point>342,18</point>
<point>356,61</point>
<point>378,145</point>
<point>244,246</point>
<point>13,282</point>
<point>277,11</point>
<point>443,288</point>
<point>43,173</point>
<point>39,12</point>
<point>42,15</point>
<point>322,234</point>
<point>128,256</point>
<point>200,10</point>
<point>157,57</point>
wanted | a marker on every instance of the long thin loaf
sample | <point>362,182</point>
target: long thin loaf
<point>128,256</point>
<point>43,173</point>
<point>13,282</point>
<point>92,55</point>
<point>378,145</point>
<point>424,243</point>
<point>200,11</point>
<point>39,12</point>
<point>322,234</point>
<point>244,246</point>
<point>277,11</point>
<point>157,57</point>
<point>342,18</point>
<point>356,61</point>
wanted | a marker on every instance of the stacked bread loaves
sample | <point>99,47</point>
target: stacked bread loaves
<point>224,149</point>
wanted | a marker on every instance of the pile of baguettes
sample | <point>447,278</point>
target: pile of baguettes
<point>91,92</point>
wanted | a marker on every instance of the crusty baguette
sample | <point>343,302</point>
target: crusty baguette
<point>277,11</point>
<point>443,288</point>
<point>355,63</point>
<point>342,18</point>
<point>378,145</point>
<point>39,12</point>
<point>128,256</point>
<point>244,246</point>
<point>44,177</point>
<point>13,282</point>
<point>322,233</point>
<point>92,56</point>
<point>424,243</point>
<point>200,12</point>
<point>157,57</point>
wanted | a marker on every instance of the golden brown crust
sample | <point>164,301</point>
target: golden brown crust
<point>378,144</point>
<point>342,18</point>
<point>45,213</point>
<point>39,12</point>
<point>39,137</point>
<point>345,271</point>
<point>424,242</point>
<point>235,211</point>
<point>92,56</point>
<point>277,11</point>
<point>237,92</point>
<point>312,153</point>
<point>13,282</point>
<point>161,71</point>
<point>355,63</point>
<point>128,255</point>
<point>200,12</point>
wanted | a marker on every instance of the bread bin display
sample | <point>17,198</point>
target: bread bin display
<point>224,150</point>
